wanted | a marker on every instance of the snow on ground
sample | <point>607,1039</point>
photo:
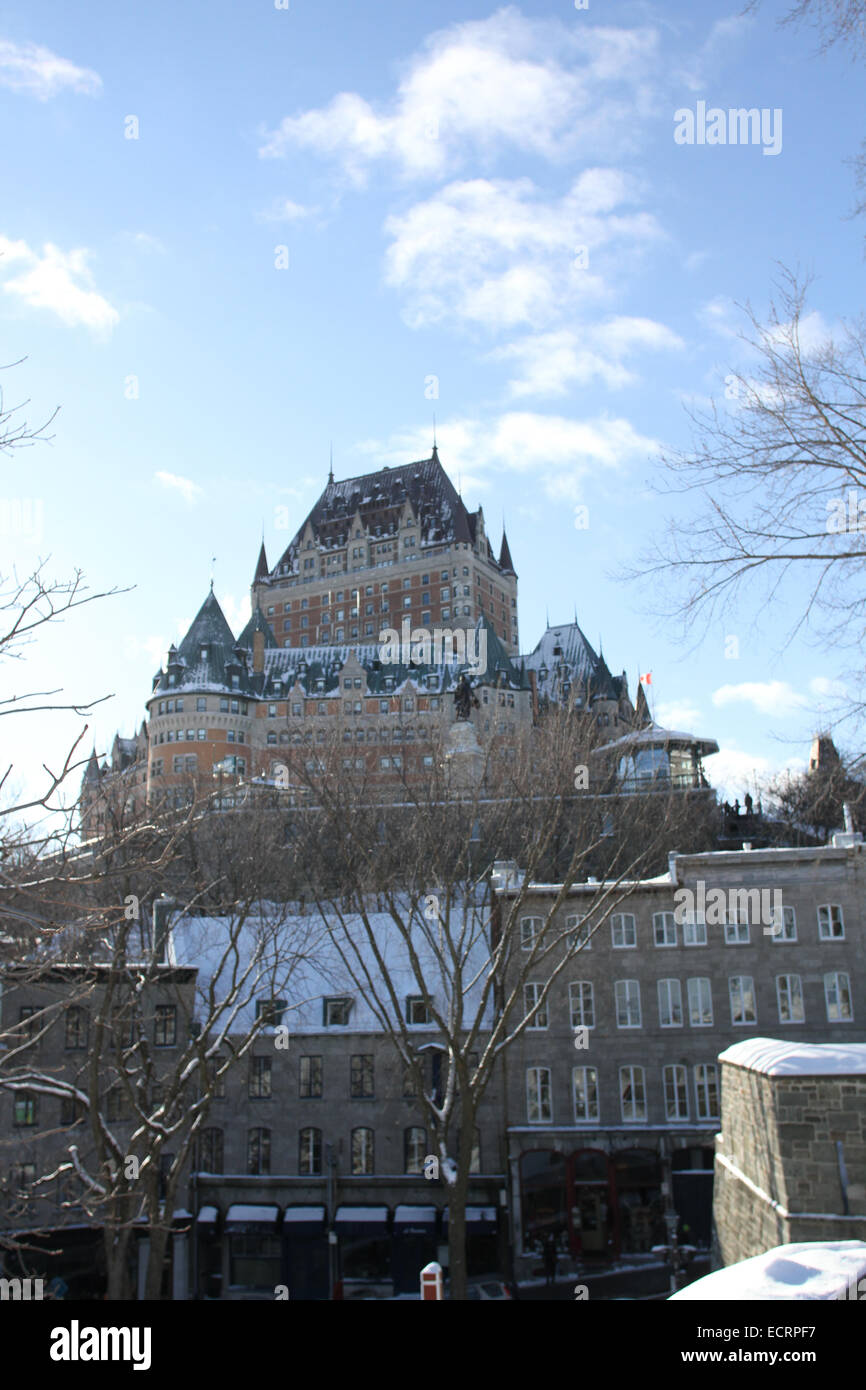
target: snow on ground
<point>808,1270</point>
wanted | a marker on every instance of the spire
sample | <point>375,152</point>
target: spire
<point>91,772</point>
<point>505,562</point>
<point>331,468</point>
<point>262,568</point>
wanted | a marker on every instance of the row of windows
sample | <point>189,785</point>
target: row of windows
<point>77,1025</point>
<point>363,1139</point>
<point>226,705</point>
<point>699,1001</point>
<point>632,1094</point>
<point>623,929</point>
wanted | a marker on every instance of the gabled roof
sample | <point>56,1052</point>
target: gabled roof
<point>379,499</point>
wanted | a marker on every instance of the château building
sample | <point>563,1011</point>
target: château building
<point>395,551</point>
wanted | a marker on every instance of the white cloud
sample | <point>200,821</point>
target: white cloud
<point>27,67</point>
<point>285,210</point>
<point>768,697</point>
<point>493,252</point>
<point>188,489</point>
<point>145,241</point>
<point>504,82</point>
<point>59,281</point>
<point>553,362</point>
<point>559,452</point>
<point>677,714</point>
<point>732,771</point>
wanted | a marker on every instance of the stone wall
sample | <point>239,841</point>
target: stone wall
<point>777,1169</point>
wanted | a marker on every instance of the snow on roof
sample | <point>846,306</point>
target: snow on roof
<point>774,1058</point>
<point>208,1214</point>
<point>361,1214</point>
<point>252,1213</point>
<point>304,1214</point>
<point>301,964</point>
<point>810,1269</point>
<point>405,1214</point>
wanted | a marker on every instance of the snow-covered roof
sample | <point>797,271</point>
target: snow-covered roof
<point>774,1058</point>
<point>810,1269</point>
<point>208,1214</point>
<point>655,736</point>
<point>301,963</point>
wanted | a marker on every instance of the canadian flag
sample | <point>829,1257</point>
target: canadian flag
<point>647,679</point>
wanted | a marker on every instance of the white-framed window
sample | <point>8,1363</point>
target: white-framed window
<point>676,1089</point>
<point>742,992</point>
<point>539,1100</point>
<point>694,931</point>
<point>789,925</point>
<point>584,1090</point>
<point>627,996</point>
<point>581,1004</point>
<point>336,1011</point>
<point>789,994</point>
<point>837,996</point>
<point>578,927</point>
<point>530,929</point>
<point>664,929</point>
<point>670,1003</point>
<point>531,994</point>
<point>737,931</point>
<point>831,925</point>
<point>707,1090</point>
<point>700,997</point>
<point>632,1093</point>
<point>623,933</point>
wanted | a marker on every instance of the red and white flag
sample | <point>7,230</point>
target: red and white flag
<point>647,679</point>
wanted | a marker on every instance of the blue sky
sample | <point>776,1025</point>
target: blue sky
<point>431,173</point>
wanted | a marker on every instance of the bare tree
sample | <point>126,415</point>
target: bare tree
<point>408,898</point>
<point>780,473</point>
<point>157,1019</point>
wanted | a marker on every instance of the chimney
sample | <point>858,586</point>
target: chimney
<point>672,866</point>
<point>258,651</point>
<point>849,819</point>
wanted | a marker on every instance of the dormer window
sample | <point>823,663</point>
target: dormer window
<point>335,1012</point>
<point>204,653</point>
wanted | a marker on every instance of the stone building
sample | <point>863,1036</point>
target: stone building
<point>790,1160</point>
<point>395,550</point>
<point>612,1098</point>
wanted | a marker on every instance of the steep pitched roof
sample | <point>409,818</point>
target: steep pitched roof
<point>379,499</point>
<point>261,566</point>
<point>506,564</point>
<point>257,623</point>
<point>642,715</point>
<point>204,656</point>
